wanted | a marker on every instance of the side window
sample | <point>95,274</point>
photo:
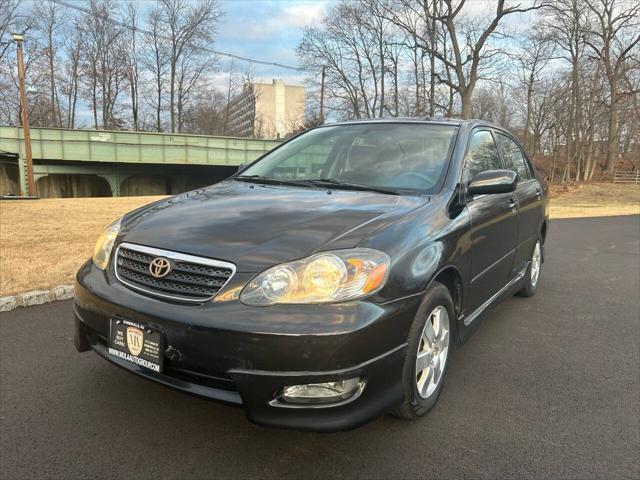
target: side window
<point>482,155</point>
<point>514,158</point>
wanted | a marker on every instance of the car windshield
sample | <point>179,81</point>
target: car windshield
<point>398,157</point>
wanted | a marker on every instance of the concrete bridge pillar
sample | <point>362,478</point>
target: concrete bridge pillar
<point>114,184</point>
<point>22,175</point>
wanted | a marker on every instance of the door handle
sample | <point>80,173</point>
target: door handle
<point>539,193</point>
<point>513,205</point>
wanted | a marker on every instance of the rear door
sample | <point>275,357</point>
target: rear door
<point>494,224</point>
<point>529,193</point>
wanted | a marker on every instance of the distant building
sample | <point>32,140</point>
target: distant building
<point>266,110</point>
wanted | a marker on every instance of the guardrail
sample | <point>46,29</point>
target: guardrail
<point>627,176</point>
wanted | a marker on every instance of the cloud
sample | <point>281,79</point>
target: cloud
<point>269,20</point>
<point>269,31</point>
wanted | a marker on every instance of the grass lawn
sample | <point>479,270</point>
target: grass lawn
<point>44,242</point>
<point>595,200</point>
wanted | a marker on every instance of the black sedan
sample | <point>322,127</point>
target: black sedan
<point>329,281</point>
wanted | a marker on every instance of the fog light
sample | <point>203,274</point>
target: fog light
<point>327,392</point>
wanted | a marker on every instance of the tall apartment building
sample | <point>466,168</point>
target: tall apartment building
<point>266,110</point>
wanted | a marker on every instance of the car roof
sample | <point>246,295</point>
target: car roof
<point>429,120</point>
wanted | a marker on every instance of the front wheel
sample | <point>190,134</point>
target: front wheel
<point>429,345</point>
<point>533,272</point>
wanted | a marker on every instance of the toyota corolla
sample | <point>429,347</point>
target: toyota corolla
<point>326,283</point>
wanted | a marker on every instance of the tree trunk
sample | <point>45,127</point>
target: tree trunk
<point>527,124</point>
<point>395,85</point>
<point>172,92</point>
<point>52,81</point>
<point>159,100</point>
<point>612,143</point>
<point>72,113</point>
<point>432,67</point>
<point>94,100</point>
<point>382,74</point>
<point>465,97</point>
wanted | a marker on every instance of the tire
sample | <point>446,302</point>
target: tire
<point>436,302</point>
<point>533,279</point>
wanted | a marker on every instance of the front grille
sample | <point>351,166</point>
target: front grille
<point>192,279</point>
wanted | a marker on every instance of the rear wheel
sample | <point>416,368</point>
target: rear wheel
<point>533,272</point>
<point>429,345</point>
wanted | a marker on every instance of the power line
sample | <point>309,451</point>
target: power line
<point>211,50</point>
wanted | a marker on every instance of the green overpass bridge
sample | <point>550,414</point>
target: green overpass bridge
<point>100,162</point>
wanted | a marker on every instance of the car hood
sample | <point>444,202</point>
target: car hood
<point>256,226</point>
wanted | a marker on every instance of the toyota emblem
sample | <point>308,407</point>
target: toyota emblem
<point>160,267</point>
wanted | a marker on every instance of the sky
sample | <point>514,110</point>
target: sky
<point>267,30</point>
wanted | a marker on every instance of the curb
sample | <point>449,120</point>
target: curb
<point>36,297</point>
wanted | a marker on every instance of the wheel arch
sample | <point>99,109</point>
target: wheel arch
<point>451,278</point>
<point>543,231</point>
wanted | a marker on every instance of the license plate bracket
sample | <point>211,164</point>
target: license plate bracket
<point>136,343</point>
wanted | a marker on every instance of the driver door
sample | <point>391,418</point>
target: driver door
<point>494,224</point>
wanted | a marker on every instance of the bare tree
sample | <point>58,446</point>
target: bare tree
<point>131,56</point>
<point>189,26</point>
<point>234,85</point>
<point>467,41</point>
<point>104,62</point>
<point>8,16</point>
<point>537,50</point>
<point>50,18</point>
<point>206,115</point>
<point>155,56</point>
<point>351,47</point>
<point>566,23</point>
<point>72,48</point>
<point>613,36</point>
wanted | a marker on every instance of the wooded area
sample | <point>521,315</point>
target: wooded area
<point>563,75</point>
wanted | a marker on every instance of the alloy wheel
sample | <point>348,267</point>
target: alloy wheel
<point>535,265</point>
<point>432,352</point>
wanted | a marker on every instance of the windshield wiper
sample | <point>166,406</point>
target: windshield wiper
<point>332,182</point>
<point>269,181</point>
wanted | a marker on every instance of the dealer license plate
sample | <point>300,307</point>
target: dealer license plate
<point>136,343</point>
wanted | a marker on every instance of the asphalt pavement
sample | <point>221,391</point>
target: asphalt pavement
<point>548,387</point>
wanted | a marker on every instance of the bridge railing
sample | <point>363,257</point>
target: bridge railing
<point>134,147</point>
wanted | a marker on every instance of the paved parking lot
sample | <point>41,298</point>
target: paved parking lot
<point>547,387</point>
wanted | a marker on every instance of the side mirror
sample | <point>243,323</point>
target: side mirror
<point>493,181</point>
<point>242,166</point>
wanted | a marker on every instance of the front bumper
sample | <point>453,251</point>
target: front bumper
<point>244,355</point>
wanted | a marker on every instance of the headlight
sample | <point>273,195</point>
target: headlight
<point>322,278</point>
<point>104,245</point>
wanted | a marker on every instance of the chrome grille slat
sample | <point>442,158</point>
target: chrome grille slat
<point>192,279</point>
<point>161,284</point>
<point>182,267</point>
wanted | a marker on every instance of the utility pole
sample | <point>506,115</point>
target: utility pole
<point>24,110</point>
<point>322,96</point>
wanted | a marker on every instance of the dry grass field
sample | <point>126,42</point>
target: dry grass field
<point>595,200</point>
<point>43,242</point>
